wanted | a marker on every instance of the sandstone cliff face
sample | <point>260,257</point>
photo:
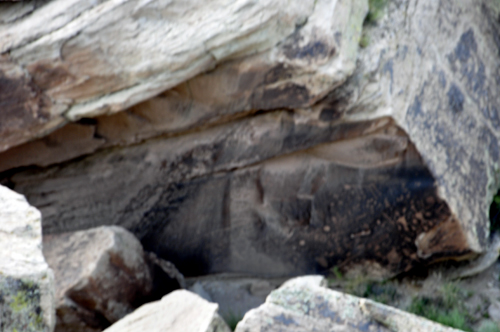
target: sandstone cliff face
<point>258,138</point>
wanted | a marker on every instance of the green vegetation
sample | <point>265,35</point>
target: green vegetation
<point>489,326</point>
<point>446,308</point>
<point>19,301</point>
<point>380,291</point>
<point>232,319</point>
<point>375,10</point>
<point>364,41</point>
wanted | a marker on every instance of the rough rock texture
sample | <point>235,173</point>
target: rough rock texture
<point>26,281</point>
<point>304,304</point>
<point>88,58</point>
<point>234,294</point>
<point>100,273</point>
<point>286,157</point>
<point>433,67</point>
<point>192,201</point>
<point>179,311</point>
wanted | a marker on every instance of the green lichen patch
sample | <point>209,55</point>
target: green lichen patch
<point>375,11</point>
<point>20,305</point>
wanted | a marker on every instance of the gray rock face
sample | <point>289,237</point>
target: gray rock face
<point>234,294</point>
<point>100,273</point>
<point>26,281</point>
<point>383,159</point>
<point>304,304</point>
<point>210,202</point>
<point>101,57</point>
<point>433,67</point>
<point>179,311</point>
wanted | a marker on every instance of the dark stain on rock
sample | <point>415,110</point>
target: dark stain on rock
<point>442,79</point>
<point>445,239</point>
<point>491,113</point>
<point>466,46</point>
<point>388,68</point>
<point>287,321</point>
<point>456,99</point>
<point>330,114</point>
<point>335,104</point>
<point>315,49</point>
<point>477,79</point>
<point>494,23</point>
<point>491,141</point>
<point>22,103</point>
<point>47,76</point>
<point>202,235</point>
<point>402,52</point>
<point>279,73</point>
<point>370,326</point>
<point>288,95</point>
<point>415,109</point>
<point>325,311</point>
<point>338,38</point>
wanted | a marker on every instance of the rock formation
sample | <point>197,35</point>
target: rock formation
<point>179,311</point>
<point>26,281</point>
<point>305,304</point>
<point>255,136</point>
<point>100,275</point>
<point>235,295</point>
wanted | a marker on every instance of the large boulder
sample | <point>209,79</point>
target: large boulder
<point>294,154</point>
<point>100,275</point>
<point>305,304</point>
<point>26,281</point>
<point>179,311</point>
<point>224,200</point>
<point>87,58</point>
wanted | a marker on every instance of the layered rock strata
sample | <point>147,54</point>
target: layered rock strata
<point>292,154</point>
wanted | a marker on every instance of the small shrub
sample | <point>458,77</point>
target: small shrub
<point>232,319</point>
<point>489,326</point>
<point>446,308</point>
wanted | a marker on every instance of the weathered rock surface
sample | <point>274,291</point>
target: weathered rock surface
<point>179,311</point>
<point>433,67</point>
<point>234,294</point>
<point>392,168</point>
<point>100,57</point>
<point>209,202</point>
<point>305,304</point>
<point>26,281</point>
<point>100,274</point>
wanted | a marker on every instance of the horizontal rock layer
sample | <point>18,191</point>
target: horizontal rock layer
<point>87,58</point>
<point>225,200</point>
